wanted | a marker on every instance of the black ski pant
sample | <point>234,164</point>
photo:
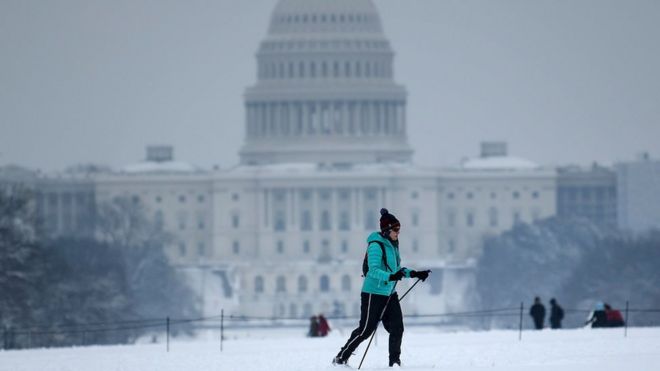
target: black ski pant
<point>370,310</point>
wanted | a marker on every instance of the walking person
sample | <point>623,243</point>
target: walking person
<point>378,296</point>
<point>556,314</point>
<point>537,311</point>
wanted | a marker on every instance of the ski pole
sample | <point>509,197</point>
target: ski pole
<point>411,287</point>
<point>379,319</point>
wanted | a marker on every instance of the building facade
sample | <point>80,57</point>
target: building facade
<point>638,187</point>
<point>284,232</point>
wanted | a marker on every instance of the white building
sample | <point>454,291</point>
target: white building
<point>638,194</point>
<point>284,232</point>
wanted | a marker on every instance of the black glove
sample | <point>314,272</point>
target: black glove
<point>422,275</point>
<point>397,276</point>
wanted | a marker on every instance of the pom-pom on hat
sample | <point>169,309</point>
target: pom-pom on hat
<point>387,221</point>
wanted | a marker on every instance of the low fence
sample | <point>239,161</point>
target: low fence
<point>84,333</point>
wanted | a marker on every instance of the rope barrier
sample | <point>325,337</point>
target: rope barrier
<point>136,324</point>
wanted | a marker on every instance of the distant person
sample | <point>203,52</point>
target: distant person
<point>324,327</point>
<point>313,327</point>
<point>598,316</point>
<point>537,311</point>
<point>556,314</point>
<point>613,316</point>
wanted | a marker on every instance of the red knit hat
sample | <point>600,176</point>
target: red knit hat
<point>387,221</point>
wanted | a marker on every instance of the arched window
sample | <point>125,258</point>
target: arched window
<point>324,283</point>
<point>302,284</point>
<point>280,284</point>
<point>258,284</point>
<point>346,283</point>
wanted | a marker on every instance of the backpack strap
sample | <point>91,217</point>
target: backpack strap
<point>382,248</point>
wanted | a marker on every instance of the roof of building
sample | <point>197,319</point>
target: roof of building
<point>499,163</point>
<point>160,167</point>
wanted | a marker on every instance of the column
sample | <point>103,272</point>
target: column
<point>277,119</point>
<point>358,208</point>
<point>293,201</point>
<point>315,209</point>
<point>334,217</point>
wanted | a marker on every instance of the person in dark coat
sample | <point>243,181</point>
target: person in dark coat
<point>556,314</point>
<point>313,327</point>
<point>537,311</point>
<point>598,316</point>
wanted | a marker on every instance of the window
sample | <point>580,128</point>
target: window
<point>280,247</point>
<point>324,283</point>
<point>302,284</point>
<point>235,220</point>
<point>306,246</point>
<point>415,245</point>
<point>344,246</point>
<point>258,284</point>
<point>201,249</point>
<point>280,285</point>
<point>200,198</point>
<point>234,197</point>
<point>280,221</point>
<point>159,199</point>
<point>306,221</point>
<point>451,245</point>
<point>346,283</point>
<point>182,249</point>
<point>535,194</point>
<point>415,219</point>
<point>236,247</point>
<point>469,219</point>
<point>182,198</point>
<point>326,225</point>
<point>344,221</point>
<point>516,195</point>
<point>371,220</point>
<point>469,195</point>
<point>493,195</point>
<point>516,217</point>
<point>492,217</point>
<point>450,195</point>
<point>414,195</point>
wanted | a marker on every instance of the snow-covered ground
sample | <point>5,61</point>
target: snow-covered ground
<point>423,349</point>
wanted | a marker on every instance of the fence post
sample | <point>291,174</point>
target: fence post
<point>222,327</point>
<point>520,325</point>
<point>625,324</point>
<point>167,320</point>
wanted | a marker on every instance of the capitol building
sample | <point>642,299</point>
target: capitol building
<point>283,233</point>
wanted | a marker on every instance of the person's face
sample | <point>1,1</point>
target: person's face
<point>394,233</point>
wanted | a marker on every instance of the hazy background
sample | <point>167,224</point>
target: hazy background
<point>96,81</point>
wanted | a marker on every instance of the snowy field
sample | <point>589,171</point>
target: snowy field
<point>423,349</point>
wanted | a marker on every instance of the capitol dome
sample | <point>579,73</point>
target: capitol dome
<point>325,90</point>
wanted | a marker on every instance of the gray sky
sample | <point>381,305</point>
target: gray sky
<point>562,81</point>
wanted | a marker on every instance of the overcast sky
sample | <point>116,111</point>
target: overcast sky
<point>562,81</point>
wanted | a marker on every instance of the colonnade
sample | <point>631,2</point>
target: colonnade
<point>324,118</point>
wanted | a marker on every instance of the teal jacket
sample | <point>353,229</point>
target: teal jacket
<point>377,279</point>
